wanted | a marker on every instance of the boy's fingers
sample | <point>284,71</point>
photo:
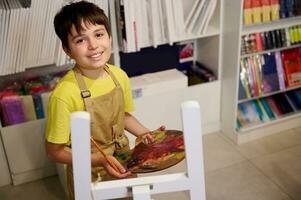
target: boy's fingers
<point>161,128</point>
<point>120,167</point>
<point>117,174</point>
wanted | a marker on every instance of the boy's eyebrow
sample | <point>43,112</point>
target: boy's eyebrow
<point>80,34</point>
<point>100,29</point>
<point>76,36</point>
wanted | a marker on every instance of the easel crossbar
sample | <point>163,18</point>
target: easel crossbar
<point>158,184</point>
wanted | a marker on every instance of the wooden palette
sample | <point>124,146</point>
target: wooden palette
<point>166,151</point>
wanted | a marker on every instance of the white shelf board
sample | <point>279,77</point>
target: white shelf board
<point>268,123</point>
<point>273,25</point>
<point>270,94</point>
<point>271,50</point>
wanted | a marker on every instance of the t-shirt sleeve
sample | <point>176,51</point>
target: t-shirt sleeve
<point>58,120</point>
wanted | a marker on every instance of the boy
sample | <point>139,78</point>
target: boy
<point>92,85</point>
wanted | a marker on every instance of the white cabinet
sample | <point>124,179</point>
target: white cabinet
<point>24,145</point>
<point>232,32</point>
<point>5,178</point>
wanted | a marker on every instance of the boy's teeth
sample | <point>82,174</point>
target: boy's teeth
<point>96,55</point>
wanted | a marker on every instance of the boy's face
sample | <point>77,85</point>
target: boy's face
<point>91,47</point>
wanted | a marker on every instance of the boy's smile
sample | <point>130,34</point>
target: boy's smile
<point>90,48</point>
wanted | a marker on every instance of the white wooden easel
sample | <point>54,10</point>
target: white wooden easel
<point>140,188</point>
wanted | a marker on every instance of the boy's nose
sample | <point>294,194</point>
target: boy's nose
<point>92,44</point>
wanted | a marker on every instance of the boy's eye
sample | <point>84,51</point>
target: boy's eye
<point>79,41</point>
<point>99,35</point>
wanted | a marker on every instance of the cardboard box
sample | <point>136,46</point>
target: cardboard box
<point>158,82</point>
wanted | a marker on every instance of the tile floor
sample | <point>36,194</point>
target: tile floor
<point>265,169</point>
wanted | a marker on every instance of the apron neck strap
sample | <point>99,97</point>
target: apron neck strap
<point>85,93</point>
<point>112,75</point>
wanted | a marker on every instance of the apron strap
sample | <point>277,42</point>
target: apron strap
<point>112,76</point>
<point>85,93</point>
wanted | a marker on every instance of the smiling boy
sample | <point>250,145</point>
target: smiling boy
<point>92,85</point>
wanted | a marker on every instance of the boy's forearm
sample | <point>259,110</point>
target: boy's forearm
<point>62,154</point>
<point>59,153</point>
<point>133,126</point>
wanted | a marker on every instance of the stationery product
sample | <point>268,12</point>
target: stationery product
<point>278,38</point>
<point>258,73</point>
<point>259,43</point>
<point>28,107</point>
<point>38,103</point>
<point>263,111</point>
<point>247,11</point>
<point>276,111</point>
<point>263,39</point>
<point>243,122</point>
<point>273,39</point>
<point>259,111</point>
<point>282,103</point>
<point>244,78</point>
<point>267,108</point>
<point>292,66</point>
<point>268,40</point>
<point>283,37</point>
<point>241,90</point>
<point>290,8</point>
<point>283,9</point>
<point>12,112</point>
<point>299,33</point>
<point>292,35</point>
<point>269,73</point>
<point>288,38</point>
<point>291,102</point>
<point>253,43</point>
<point>275,9</point>
<point>266,11</point>
<point>280,71</point>
<point>298,7</point>
<point>256,11</point>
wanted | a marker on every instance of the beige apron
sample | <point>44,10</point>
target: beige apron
<point>107,125</point>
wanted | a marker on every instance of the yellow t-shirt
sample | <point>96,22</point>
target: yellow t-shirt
<point>66,99</point>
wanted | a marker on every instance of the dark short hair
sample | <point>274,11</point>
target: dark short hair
<point>75,14</point>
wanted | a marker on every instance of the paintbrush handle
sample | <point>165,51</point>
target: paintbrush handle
<point>104,155</point>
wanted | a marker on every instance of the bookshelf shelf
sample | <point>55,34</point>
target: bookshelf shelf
<point>290,116</point>
<point>269,94</point>
<point>273,25</point>
<point>212,33</point>
<point>270,51</point>
<point>232,38</point>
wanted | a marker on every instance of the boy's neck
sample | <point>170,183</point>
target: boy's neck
<point>94,74</point>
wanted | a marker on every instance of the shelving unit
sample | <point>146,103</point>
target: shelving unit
<point>208,52</point>
<point>232,33</point>
<point>29,142</point>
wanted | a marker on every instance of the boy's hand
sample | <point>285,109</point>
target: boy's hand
<point>122,173</point>
<point>148,138</point>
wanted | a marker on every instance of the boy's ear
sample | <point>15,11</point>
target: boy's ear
<point>67,51</point>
